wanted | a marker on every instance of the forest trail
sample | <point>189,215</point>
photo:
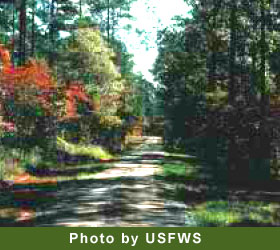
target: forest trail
<point>127,194</point>
<point>142,160</point>
<point>130,192</point>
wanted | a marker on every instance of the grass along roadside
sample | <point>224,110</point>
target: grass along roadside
<point>96,152</point>
<point>223,213</point>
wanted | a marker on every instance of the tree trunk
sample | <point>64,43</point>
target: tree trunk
<point>22,30</point>
<point>33,28</point>
<point>108,21</point>
<point>51,33</point>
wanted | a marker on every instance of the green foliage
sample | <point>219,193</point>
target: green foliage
<point>217,97</point>
<point>83,150</point>
<point>85,22</point>
<point>223,213</point>
<point>109,13</point>
<point>173,59</point>
<point>184,170</point>
<point>98,57</point>
<point>13,160</point>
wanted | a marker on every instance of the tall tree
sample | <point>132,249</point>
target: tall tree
<point>226,57</point>
<point>108,13</point>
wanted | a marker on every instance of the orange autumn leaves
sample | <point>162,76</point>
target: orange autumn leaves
<point>36,76</point>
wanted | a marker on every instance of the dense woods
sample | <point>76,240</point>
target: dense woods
<point>219,74</point>
<point>65,78</point>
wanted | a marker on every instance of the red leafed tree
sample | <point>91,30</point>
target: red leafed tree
<point>75,92</point>
<point>36,75</point>
<point>33,75</point>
